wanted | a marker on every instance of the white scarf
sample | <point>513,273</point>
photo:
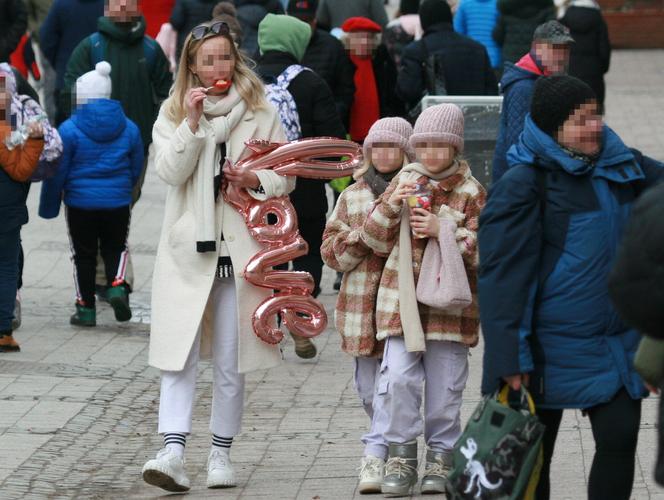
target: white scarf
<point>218,122</point>
<point>411,323</point>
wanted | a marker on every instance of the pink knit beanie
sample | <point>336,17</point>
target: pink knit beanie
<point>443,122</point>
<point>395,130</point>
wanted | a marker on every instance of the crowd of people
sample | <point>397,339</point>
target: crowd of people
<point>424,254</point>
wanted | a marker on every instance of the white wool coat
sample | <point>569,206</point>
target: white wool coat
<point>183,277</point>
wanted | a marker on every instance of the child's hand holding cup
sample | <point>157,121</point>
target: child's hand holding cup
<point>420,199</point>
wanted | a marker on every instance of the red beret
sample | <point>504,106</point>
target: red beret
<point>360,24</point>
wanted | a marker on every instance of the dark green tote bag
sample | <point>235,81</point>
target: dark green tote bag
<point>499,454</point>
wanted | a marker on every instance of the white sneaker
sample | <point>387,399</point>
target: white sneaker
<point>372,470</point>
<point>166,471</point>
<point>220,470</point>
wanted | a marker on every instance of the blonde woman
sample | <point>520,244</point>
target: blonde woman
<point>216,104</point>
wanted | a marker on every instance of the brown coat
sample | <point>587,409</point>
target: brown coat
<point>343,249</point>
<point>460,196</point>
<point>21,162</point>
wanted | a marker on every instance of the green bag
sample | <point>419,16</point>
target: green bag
<point>499,454</point>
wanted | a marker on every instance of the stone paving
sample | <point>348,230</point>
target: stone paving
<point>78,406</point>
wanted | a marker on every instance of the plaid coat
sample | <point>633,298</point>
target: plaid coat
<point>343,249</point>
<point>459,197</point>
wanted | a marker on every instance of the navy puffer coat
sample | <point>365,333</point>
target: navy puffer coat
<point>548,239</point>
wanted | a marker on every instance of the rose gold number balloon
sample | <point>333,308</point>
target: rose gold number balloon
<point>300,312</point>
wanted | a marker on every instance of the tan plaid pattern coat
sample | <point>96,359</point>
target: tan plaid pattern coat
<point>343,249</point>
<point>459,197</point>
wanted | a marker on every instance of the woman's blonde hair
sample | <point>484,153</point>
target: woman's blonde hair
<point>247,83</point>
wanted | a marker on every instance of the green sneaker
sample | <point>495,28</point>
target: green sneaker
<point>118,297</point>
<point>84,316</point>
<point>437,469</point>
<point>400,470</point>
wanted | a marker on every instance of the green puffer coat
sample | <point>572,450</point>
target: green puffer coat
<point>140,83</point>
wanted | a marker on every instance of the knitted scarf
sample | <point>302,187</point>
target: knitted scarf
<point>377,181</point>
<point>408,309</point>
<point>366,105</point>
<point>218,122</point>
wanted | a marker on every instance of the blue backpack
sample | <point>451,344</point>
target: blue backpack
<point>98,50</point>
<point>278,95</point>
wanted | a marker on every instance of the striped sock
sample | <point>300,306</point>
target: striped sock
<point>175,441</point>
<point>222,443</point>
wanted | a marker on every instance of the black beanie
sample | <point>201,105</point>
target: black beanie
<point>555,98</point>
<point>434,12</point>
<point>409,7</point>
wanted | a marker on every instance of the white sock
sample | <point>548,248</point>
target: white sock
<point>175,441</point>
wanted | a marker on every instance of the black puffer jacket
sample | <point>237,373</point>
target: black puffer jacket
<point>13,24</point>
<point>187,14</point>
<point>326,56</point>
<point>591,53</point>
<point>318,118</point>
<point>467,67</point>
<point>250,13</point>
<point>516,24</point>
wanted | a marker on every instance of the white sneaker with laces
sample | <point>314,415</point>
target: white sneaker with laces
<point>166,471</point>
<point>372,470</point>
<point>220,470</point>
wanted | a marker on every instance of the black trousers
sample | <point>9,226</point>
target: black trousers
<point>615,427</point>
<point>92,231</point>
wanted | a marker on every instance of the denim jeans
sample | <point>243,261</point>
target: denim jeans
<point>9,249</point>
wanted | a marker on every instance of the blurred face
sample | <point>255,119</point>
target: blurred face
<point>5,101</point>
<point>215,60</point>
<point>435,156</point>
<point>122,11</point>
<point>386,157</point>
<point>554,57</point>
<point>361,43</point>
<point>582,131</point>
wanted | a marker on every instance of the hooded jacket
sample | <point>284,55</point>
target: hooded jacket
<point>516,24</point>
<point>548,239</point>
<point>590,53</point>
<point>102,160</point>
<point>250,13</point>
<point>517,86</point>
<point>313,99</point>
<point>138,85</point>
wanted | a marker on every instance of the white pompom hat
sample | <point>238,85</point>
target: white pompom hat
<point>94,84</point>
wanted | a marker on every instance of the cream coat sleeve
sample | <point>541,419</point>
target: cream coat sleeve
<point>274,184</point>
<point>176,149</point>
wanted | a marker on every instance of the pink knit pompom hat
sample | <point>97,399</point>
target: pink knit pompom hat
<point>440,123</point>
<point>394,130</point>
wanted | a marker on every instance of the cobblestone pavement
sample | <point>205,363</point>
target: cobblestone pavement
<point>78,406</point>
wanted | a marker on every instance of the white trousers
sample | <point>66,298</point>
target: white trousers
<point>443,370</point>
<point>178,389</point>
<point>366,374</point>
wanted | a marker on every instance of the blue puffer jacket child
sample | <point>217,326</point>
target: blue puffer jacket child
<point>102,160</point>
<point>548,239</point>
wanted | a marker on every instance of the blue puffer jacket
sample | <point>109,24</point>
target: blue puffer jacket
<point>476,19</point>
<point>101,162</point>
<point>517,86</point>
<point>548,238</point>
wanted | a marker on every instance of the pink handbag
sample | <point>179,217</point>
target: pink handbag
<point>443,282</point>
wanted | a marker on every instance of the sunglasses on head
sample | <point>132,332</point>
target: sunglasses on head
<point>218,28</point>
